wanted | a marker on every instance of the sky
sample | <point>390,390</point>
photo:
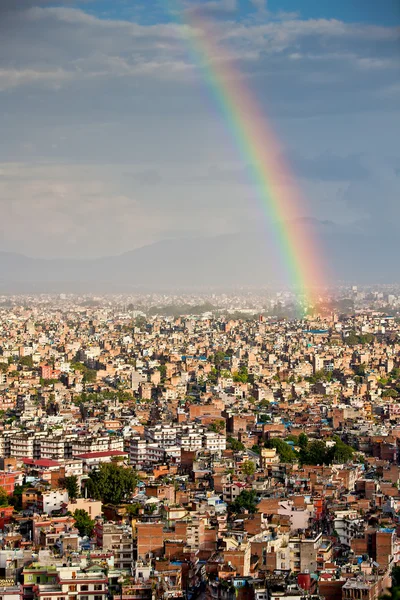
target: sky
<point>112,140</point>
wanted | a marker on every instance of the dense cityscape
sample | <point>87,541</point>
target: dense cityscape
<point>199,300</point>
<point>199,446</point>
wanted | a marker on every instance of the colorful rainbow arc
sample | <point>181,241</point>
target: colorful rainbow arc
<point>260,149</point>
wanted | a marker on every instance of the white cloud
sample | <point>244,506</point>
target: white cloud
<point>127,129</point>
<point>260,5</point>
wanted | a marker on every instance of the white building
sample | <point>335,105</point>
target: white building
<point>214,442</point>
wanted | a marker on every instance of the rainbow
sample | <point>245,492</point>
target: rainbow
<point>259,148</point>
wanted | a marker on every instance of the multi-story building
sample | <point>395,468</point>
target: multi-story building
<point>21,446</point>
<point>214,442</point>
<point>62,583</point>
<point>144,455</point>
<point>304,549</point>
<point>162,435</point>
<point>190,441</point>
<point>118,538</point>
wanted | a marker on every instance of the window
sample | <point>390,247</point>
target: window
<point>98,598</point>
<point>84,588</point>
<point>98,586</point>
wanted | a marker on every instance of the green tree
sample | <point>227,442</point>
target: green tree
<point>90,376</point>
<point>213,376</point>
<point>112,483</point>
<point>163,372</point>
<point>248,468</point>
<point>315,453</point>
<point>218,358</point>
<point>140,322</point>
<point>285,451</point>
<point>342,453</point>
<point>396,577</point>
<point>246,500</point>
<point>235,444</point>
<point>3,497</point>
<point>83,522</point>
<point>132,510</point>
<point>16,498</point>
<point>359,370</point>
<point>26,361</point>
<point>389,393</point>
<point>217,426</point>
<point>241,376</point>
<point>71,485</point>
<point>303,441</point>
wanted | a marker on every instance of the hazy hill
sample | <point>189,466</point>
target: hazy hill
<point>229,260</point>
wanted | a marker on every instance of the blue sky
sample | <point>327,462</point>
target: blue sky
<point>383,12</point>
<point>112,138</point>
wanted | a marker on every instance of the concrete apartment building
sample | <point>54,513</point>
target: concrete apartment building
<point>62,583</point>
<point>118,538</point>
<point>144,455</point>
<point>304,550</point>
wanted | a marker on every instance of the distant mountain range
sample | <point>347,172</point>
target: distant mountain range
<point>222,261</point>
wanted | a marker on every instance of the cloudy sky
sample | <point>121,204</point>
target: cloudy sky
<point>111,138</point>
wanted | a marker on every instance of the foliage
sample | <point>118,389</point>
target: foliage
<point>359,370</point>
<point>391,393</point>
<point>140,322</point>
<point>71,485</point>
<point>83,522</point>
<point>318,453</point>
<point>246,500</point>
<point>47,382</point>
<point>3,497</point>
<point>263,418</point>
<point>112,483</point>
<point>314,453</point>
<point>213,376</point>
<point>90,397</point>
<point>217,426</point>
<point>241,376</point>
<point>394,374</point>
<point>396,577</point>
<point>303,440</point>
<point>263,403</point>
<point>3,367</point>
<point>342,452</point>
<point>352,339</point>
<point>248,468</point>
<point>132,510</point>
<point>26,361</point>
<point>16,498</point>
<point>235,444</point>
<point>286,452</point>
<point>219,358</point>
<point>89,375</point>
<point>319,376</point>
<point>163,372</point>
